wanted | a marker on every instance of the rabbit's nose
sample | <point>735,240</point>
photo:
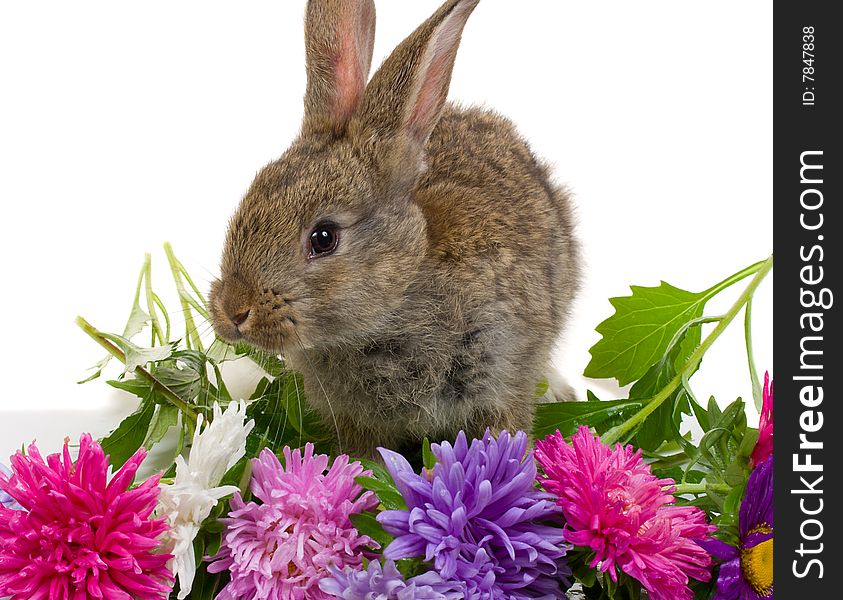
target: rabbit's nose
<point>241,317</point>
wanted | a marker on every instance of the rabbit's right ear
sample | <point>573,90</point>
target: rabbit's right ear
<point>339,38</point>
<point>405,97</point>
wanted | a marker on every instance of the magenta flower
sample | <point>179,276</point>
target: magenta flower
<point>615,506</point>
<point>764,447</point>
<point>5,499</point>
<point>80,535</point>
<point>282,548</point>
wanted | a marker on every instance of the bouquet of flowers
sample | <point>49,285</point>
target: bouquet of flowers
<point>653,495</point>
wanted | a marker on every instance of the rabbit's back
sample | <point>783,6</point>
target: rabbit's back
<point>494,216</point>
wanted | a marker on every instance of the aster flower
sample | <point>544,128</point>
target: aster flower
<point>764,447</point>
<point>386,583</point>
<point>746,572</point>
<point>282,548</point>
<point>80,535</point>
<point>194,493</point>
<point>5,499</point>
<point>615,506</point>
<point>478,518</point>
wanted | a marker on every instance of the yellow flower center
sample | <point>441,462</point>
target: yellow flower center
<point>757,564</point>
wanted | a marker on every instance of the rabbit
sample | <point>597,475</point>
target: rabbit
<point>411,258</point>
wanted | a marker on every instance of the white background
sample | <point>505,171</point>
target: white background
<point>123,125</point>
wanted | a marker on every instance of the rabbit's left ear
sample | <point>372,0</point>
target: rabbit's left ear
<point>406,95</point>
<point>339,38</point>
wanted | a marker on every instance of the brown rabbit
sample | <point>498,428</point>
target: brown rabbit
<point>412,259</point>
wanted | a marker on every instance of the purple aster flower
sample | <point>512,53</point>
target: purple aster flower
<point>746,572</point>
<point>478,517</point>
<point>386,583</point>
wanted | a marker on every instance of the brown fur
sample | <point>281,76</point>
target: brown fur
<point>456,264</point>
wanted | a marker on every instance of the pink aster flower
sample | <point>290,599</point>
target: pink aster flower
<point>764,447</point>
<point>282,548</point>
<point>80,535</point>
<point>615,506</point>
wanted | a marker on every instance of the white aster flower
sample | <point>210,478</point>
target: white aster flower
<point>190,498</point>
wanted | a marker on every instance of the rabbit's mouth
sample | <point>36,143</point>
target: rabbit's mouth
<point>275,337</point>
<point>265,318</point>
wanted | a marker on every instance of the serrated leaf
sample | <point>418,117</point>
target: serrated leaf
<point>638,334</point>
<point>125,440</point>
<point>568,416</point>
<point>138,319</point>
<point>137,356</point>
<point>166,416</point>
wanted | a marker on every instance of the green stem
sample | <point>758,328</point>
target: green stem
<point>142,373</point>
<point>701,488</point>
<point>157,331</point>
<point>160,305</point>
<point>733,279</point>
<point>140,283</point>
<point>202,304</point>
<point>618,432</point>
<point>757,394</point>
<point>192,335</point>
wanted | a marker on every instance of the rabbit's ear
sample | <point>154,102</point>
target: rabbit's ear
<point>339,37</point>
<point>407,93</point>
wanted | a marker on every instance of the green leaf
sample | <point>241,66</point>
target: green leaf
<point>568,416</point>
<point>713,410</point>
<point>542,387</point>
<point>378,471</point>
<point>701,415</point>
<point>206,586</point>
<point>750,439</point>
<point>124,441</point>
<point>640,331</point>
<point>387,493</point>
<point>664,423</point>
<point>270,363</point>
<point>139,387</point>
<point>166,416</point>
<point>283,417</point>
<point>367,524</point>
<point>428,457</point>
<point>138,319</point>
<point>137,356</point>
<point>410,567</point>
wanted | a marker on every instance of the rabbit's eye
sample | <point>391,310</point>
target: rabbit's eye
<point>323,240</point>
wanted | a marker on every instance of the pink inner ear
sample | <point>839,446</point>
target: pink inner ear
<point>348,70</point>
<point>429,97</point>
<point>436,72</point>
